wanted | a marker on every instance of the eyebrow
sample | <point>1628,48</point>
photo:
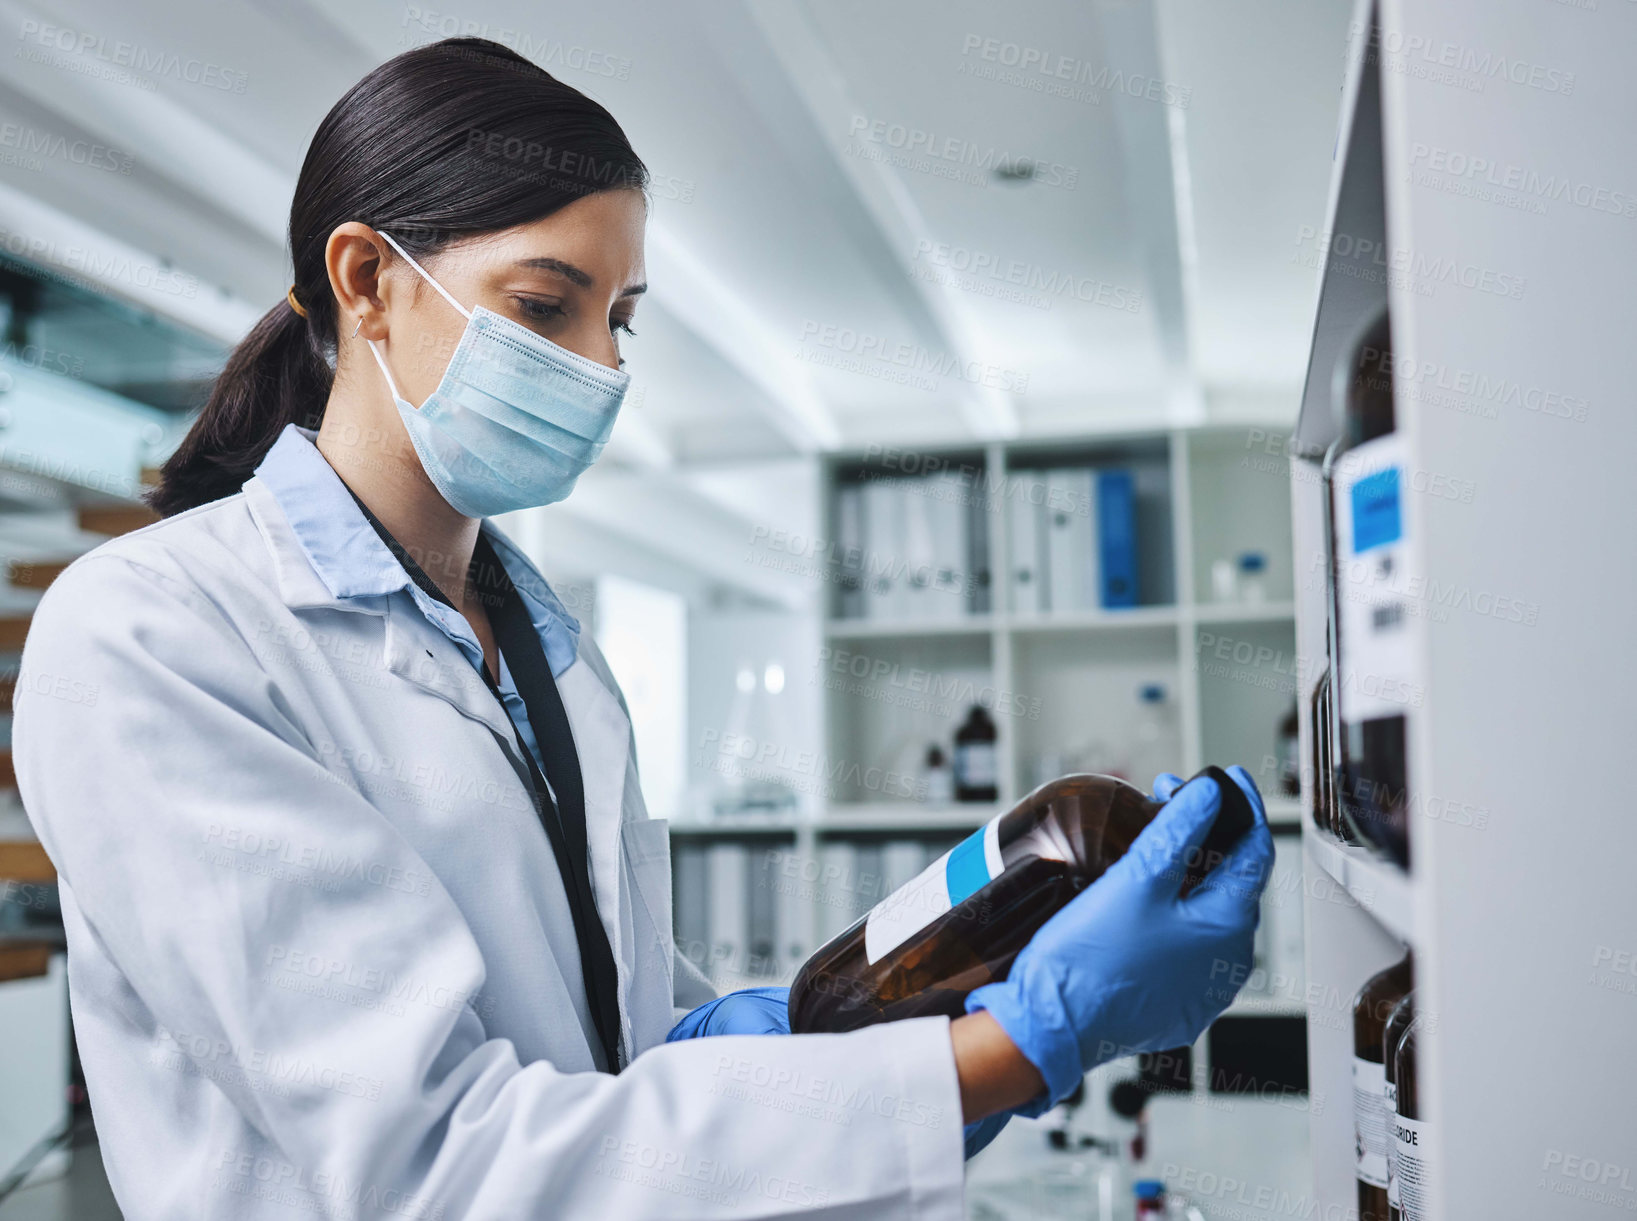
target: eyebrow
<point>573,274</point>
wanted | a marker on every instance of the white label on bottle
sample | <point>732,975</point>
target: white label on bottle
<point>1389,1097</point>
<point>975,765</point>
<point>1411,1167</point>
<point>1377,592</point>
<point>1369,1122</point>
<point>949,881</point>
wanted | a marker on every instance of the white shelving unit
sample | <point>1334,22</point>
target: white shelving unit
<point>1514,364</point>
<point>1024,654</point>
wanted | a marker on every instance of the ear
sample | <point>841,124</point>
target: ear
<point>354,257</point>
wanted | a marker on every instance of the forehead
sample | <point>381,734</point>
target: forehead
<point>600,236</point>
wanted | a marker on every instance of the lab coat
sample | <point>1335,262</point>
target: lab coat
<point>310,914</point>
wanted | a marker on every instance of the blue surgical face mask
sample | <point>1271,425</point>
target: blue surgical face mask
<point>515,420</point>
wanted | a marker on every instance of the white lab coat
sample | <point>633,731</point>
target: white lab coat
<point>311,913</point>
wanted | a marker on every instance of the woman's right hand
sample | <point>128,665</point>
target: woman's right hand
<point>1128,965</point>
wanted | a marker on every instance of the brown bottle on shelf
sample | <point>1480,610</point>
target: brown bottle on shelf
<point>1413,1137</point>
<point>961,922</point>
<point>1400,1021</point>
<point>1370,572</point>
<point>1372,1008</point>
<point>977,767</point>
<point>1318,719</point>
<point>1290,754</point>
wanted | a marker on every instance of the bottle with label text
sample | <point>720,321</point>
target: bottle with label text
<point>1400,1021</point>
<point>1413,1136</point>
<point>1372,1008</point>
<point>960,923</point>
<point>977,763</point>
<point>1374,599</point>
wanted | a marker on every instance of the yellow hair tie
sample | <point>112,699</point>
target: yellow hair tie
<point>290,296</point>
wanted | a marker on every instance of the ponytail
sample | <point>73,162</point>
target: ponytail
<point>447,141</point>
<point>276,376</point>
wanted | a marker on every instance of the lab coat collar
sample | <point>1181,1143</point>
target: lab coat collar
<point>327,554</point>
<point>340,546</point>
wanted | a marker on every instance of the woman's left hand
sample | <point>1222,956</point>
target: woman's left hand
<point>767,1011</point>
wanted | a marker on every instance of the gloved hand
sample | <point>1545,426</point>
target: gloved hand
<point>767,1011</point>
<point>1128,966</point>
<point>748,1011</point>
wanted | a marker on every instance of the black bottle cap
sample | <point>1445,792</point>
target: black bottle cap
<point>1232,821</point>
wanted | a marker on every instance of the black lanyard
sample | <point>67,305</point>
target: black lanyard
<point>563,817</point>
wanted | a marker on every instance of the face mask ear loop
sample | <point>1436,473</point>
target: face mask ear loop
<point>380,360</point>
<point>391,241</point>
<point>425,275</point>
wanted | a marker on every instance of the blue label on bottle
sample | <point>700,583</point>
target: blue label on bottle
<point>968,871</point>
<point>949,881</point>
<point>1376,516</point>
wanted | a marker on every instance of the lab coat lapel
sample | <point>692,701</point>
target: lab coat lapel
<point>420,654</point>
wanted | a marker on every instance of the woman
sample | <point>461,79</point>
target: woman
<point>365,913</point>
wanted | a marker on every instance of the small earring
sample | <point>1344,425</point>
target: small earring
<point>356,328</point>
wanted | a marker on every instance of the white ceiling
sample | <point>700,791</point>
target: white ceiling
<point>784,236</point>
<point>758,119</point>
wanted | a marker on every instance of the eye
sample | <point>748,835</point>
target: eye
<point>537,310</point>
<point>617,327</point>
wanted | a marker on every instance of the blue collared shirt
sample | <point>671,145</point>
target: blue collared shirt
<point>353,562</point>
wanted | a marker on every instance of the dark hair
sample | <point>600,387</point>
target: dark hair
<point>446,141</point>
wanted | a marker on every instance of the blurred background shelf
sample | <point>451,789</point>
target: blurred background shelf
<point>1095,621</point>
<point>879,817</point>
<point>865,629</point>
<point>904,817</point>
<point>1239,612</point>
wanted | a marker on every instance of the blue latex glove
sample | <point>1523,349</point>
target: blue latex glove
<point>979,1134</point>
<point>748,1011</point>
<point>767,1011</point>
<point>1128,966</point>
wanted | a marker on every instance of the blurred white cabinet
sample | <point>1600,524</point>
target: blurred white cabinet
<point>33,1063</point>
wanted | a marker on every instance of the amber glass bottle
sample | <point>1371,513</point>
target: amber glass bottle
<point>1400,1021</point>
<point>961,922</point>
<point>1325,748</point>
<point>976,766</point>
<point>1320,720</point>
<point>1372,1008</point>
<point>1372,602</point>
<point>1411,1152</point>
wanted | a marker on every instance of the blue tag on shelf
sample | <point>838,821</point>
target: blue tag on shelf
<point>1376,517</point>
